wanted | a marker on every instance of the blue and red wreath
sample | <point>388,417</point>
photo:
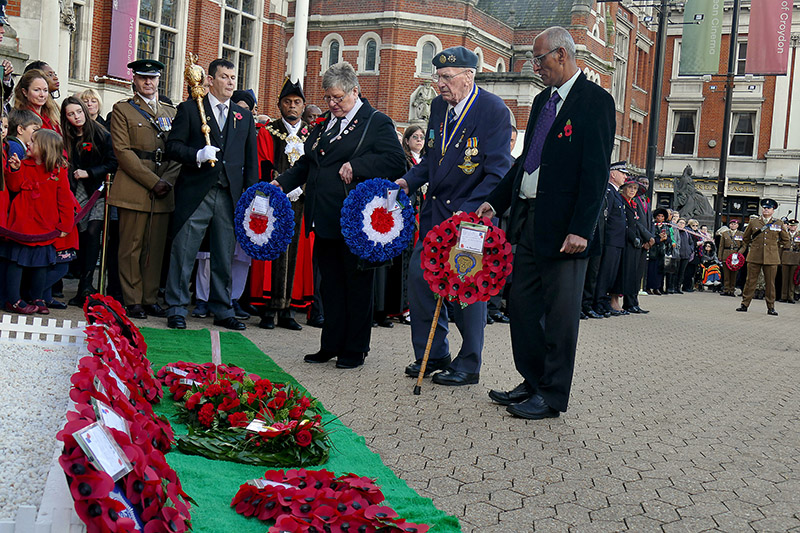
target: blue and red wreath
<point>371,231</point>
<point>264,236</point>
<point>454,284</point>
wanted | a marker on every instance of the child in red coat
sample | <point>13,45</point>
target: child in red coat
<point>41,213</point>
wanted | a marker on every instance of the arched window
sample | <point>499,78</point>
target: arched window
<point>333,53</point>
<point>372,53</point>
<point>428,51</point>
<point>501,67</point>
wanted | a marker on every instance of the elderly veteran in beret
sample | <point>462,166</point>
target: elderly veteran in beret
<point>766,236</point>
<point>467,139</point>
<point>356,142</point>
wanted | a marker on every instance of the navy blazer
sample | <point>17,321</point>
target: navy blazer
<point>573,172</point>
<point>451,188</point>
<point>379,155</point>
<point>237,157</point>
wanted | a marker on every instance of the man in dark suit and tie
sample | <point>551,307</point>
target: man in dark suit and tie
<point>467,139</point>
<point>555,190</point>
<point>206,195</point>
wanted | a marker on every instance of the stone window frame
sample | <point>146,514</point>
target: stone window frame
<point>437,47</point>
<point>235,51</point>
<point>361,62</point>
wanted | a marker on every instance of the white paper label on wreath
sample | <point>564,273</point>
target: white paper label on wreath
<point>109,418</point>
<point>258,226</point>
<point>99,387</point>
<point>121,384</point>
<point>392,204</point>
<point>186,381</point>
<point>179,372</point>
<point>257,426</point>
<point>471,237</point>
<point>102,450</point>
<point>260,204</point>
<point>262,483</point>
<point>114,351</point>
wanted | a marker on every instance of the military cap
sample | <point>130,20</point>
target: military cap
<point>245,96</point>
<point>289,88</point>
<point>621,166</point>
<point>792,221</point>
<point>457,56</point>
<point>769,203</point>
<point>731,221</point>
<point>146,67</point>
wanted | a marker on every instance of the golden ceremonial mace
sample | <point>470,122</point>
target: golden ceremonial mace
<point>195,75</point>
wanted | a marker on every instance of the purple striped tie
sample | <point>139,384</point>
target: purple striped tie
<point>543,125</point>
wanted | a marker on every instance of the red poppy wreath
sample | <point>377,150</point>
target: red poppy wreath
<point>460,278</point>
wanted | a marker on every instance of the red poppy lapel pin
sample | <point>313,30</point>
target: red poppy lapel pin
<point>236,117</point>
<point>567,130</point>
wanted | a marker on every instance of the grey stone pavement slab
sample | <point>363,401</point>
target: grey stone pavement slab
<point>685,419</point>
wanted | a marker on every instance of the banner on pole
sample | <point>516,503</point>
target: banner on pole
<point>123,37</point>
<point>702,38</point>
<point>769,37</point>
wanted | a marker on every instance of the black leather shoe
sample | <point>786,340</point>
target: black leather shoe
<point>432,366</point>
<point>200,309</point>
<point>632,310</point>
<point>500,317</point>
<point>238,311</point>
<point>518,394</point>
<point>534,408</point>
<point>322,356</point>
<point>155,310</point>
<point>289,323</point>
<point>136,311</point>
<point>742,308</point>
<point>583,316</point>
<point>350,360</point>
<point>176,322</point>
<point>77,300</point>
<point>591,313</point>
<point>642,311</point>
<point>612,312</point>
<point>454,378</point>
<point>623,312</point>
<point>267,322</point>
<point>386,323</point>
<point>489,320</point>
<point>230,323</point>
<point>316,321</point>
<point>56,304</point>
<point>772,312</point>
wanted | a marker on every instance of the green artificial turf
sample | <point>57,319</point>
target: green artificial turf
<point>212,484</point>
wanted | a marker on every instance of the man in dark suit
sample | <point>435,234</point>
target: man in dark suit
<point>615,228</point>
<point>206,195</point>
<point>355,143</point>
<point>555,190</point>
<point>468,135</point>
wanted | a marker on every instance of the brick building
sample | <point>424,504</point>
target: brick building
<point>764,143</point>
<point>389,42</point>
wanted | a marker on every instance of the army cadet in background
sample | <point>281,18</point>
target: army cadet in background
<point>790,258</point>
<point>729,242</point>
<point>765,235</point>
<point>142,189</point>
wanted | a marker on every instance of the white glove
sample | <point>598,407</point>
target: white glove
<point>295,194</point>
<point>207,153</point>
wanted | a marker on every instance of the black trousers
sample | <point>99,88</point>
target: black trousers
<point>632,299</point>
<point>346,297</point>
<point>609,270</point>
<point>590,283</point>
<point>544,306</point>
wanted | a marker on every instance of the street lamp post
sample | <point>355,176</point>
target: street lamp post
<point>655,101</point>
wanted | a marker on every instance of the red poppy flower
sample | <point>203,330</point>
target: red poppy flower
<point>379,512</point>
<point>468,295</point>
<point>193,400</point>
<point>568,130</point>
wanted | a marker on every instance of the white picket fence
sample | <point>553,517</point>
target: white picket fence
<point>56,514</point>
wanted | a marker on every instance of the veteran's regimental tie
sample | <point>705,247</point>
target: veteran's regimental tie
<point>543,125</point>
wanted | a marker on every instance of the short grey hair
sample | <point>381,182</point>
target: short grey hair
<point>340,76</point>
<point>558,37</point>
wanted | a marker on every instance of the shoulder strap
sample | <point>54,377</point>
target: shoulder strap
<point>147,117</point>
<point>364,133</point>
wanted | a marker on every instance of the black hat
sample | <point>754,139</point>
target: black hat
<point>244,96</point>
<point>621,166</point>
<point>457,56</point>
<point>289,88</point>
<point>792,221</point>
<point>769,203</point>
<point>661,211</point>
<point>146,67</point>
<point>3,19</point>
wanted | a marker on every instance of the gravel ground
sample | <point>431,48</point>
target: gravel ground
<point>34,394</point>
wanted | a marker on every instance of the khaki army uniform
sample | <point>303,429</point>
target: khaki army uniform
<point>790,258</point>
<point>140,146</point>
<point>766,239</point>
<point>729,242</point>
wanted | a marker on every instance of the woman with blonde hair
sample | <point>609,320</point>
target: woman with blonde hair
<point>32,92</point>
<point>94,104</point>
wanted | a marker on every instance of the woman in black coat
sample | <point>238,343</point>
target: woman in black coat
<point>88,147</point>
<point>355,143</point>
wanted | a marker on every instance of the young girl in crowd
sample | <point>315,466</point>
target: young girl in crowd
<point>42,205</point>
<point>91,157</point>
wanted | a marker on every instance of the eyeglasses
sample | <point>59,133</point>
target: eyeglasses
<point>447,78</point>
<point>335,100</point>
<point>537,60</point>
<point>418,137</point>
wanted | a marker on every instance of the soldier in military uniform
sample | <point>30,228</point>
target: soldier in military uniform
<point>729,242</point>
<point>766,236</point>
<point>287,135</point>
<point>790,258</point>
<point>142,189</point>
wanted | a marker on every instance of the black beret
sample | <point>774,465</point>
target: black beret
<point>146,67</point>
<point>457,56</point>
